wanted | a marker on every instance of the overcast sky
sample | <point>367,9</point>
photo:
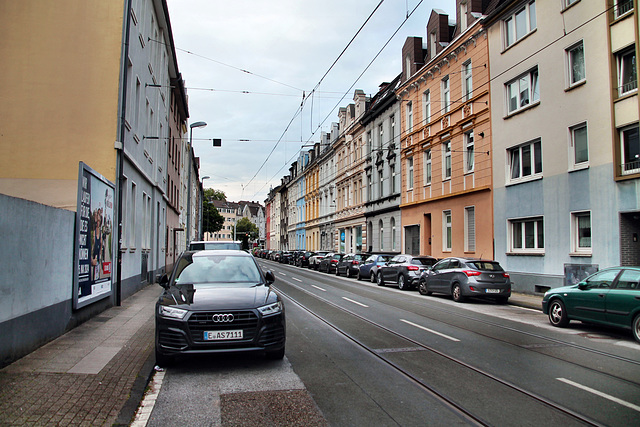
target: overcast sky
<point>275,50</point>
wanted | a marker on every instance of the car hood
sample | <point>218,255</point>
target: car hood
<point>561,290</point>
<point>192,297</point>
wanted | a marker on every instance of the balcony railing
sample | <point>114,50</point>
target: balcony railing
<point>630,167</point>
<point>623,7</point>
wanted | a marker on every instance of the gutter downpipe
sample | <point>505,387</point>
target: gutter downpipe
<point>119,145</point>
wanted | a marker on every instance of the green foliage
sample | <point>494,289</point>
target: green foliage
<point>212,221</point>
<point>212,194</point>
<point>244,226</point>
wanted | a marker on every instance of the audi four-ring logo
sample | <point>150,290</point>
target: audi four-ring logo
<point>222,318</point>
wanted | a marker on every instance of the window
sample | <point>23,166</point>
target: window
<point>369,188</point>
<point>381,141</point>
<point>381,235</point>
<point>527,235</point>
<point>575,59</point>
<point>581,232</point>
<point>470,229</point>
<point>446,231</point>
<point>392,129</point>
<point>446,163</point>
<point>409,117</point>
<point>410,173</point>
<point>630,149</point>
<point>432,45</point>
<point>426,100</point>
<point>627,73</point>
<point>463,17</point>
<point>568,3</point>
<point>579,145</point>
<point>393,234</point>
<point>523,91</point>
<point>525,161</point>
<point>407,66</point>
<point>132,215</point>
<point>392,177</point>
<point>521,23</point>
<point>467,82</point>
<point>446,96</point>
<point>427,167</point>
<point>468,152</point>
<point>380,184</point>
<point>369,148</point>
<point>622,7</point>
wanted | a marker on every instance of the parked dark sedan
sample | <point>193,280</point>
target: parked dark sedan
<point>350,264</point>
<point>608,297</point>
<point>369,268</point>
<point>329,262</point>
<point>303,258</point>
<point>404,270</point>
<point>467,277</point>
<point>286,257</point>
<point>218,301</point>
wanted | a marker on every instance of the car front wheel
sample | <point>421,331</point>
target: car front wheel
<point>422,288</point>
<point>372,277</point>
<point>636,328</point>
<point>402,285</point>
<point>379,280</point>
<point>456,293</point>
<point>558,314</point>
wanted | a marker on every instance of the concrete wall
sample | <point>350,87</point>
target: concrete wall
<point>36,278</point>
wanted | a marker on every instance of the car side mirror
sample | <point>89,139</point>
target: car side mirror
<point>269,277</point>
<point>164,281</point>
<point>582,286</point>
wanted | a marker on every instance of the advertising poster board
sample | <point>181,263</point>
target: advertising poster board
<point>94,245</point>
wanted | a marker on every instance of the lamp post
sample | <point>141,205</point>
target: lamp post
<point>201,208</point>
<point>189,186</point>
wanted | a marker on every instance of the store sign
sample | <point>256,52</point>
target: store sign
<point>94,245</point>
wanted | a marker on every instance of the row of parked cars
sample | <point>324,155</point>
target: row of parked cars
<point>459,277</point>
<point>609,297</point>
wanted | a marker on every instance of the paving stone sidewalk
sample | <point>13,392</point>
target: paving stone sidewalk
<point>94,374</point>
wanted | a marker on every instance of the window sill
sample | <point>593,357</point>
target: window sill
<point>523,180</point>
<point>570,6</point>
<point>576,85</point>
<point>581,254</point>
<point>522,110</point>
<point>579,167</point>
<point>524,253</point>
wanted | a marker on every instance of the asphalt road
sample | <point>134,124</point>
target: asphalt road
<point>380,356</point>
<point>371,355</point>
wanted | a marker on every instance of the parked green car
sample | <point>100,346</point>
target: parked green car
<point>608,297</point>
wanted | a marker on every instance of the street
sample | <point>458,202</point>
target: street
<point>371,355</point>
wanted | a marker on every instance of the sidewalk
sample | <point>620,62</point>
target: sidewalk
<point>94,374</point>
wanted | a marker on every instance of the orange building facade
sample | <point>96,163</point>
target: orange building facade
<point>447,204</point>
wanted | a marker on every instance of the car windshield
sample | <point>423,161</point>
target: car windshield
<point>216,270</point>
<point>486,265</point>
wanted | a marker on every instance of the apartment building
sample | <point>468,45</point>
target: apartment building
<point>381,152</point>
<point>327,190</point>
<point>350,176</point>
<point>312,200</point>
<point>229,211</point>
<point>446,203</point>
<point>565,138</point>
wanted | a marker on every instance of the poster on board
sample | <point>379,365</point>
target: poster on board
<point>94,246</point>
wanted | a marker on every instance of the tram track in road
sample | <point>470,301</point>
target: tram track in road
<point>396,301</point>
<point>459,408</point>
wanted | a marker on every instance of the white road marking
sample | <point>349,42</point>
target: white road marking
<point>296,279</point>
<point>318,287</point>
<point>601,394</point>
<point>355,302</point>
<point>430,330</point>
<point>280,272</point>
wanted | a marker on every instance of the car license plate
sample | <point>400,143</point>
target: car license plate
<point>222,335</point>
<point>493,291</point>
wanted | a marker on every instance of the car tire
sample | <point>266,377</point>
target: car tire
<point>379,280</point>
<point>348,272</point>
<point>423,289</point>
<point>558,314</point>
<point>635,327</point>
<point>275,355</point>
<point>337,271</point>
<point>402,284</point>
<point>456,293</point>
<point>358,277</point>
<point>372,278</point>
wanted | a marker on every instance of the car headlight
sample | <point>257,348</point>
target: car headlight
<point>271,309</point>
<point>175,313</point>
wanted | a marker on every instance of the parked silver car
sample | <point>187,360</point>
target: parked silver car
<point>467,277</point>
<point>405,270</point>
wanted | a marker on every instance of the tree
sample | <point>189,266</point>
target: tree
<point>212,194</point>
<point>212,221</point>
<point>246,227</point>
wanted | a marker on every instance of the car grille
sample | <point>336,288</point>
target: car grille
<point>172,339</point>
<point>203,321</point>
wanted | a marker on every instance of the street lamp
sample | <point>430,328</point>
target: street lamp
<point>201,210</point>
<point>189,187</point>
